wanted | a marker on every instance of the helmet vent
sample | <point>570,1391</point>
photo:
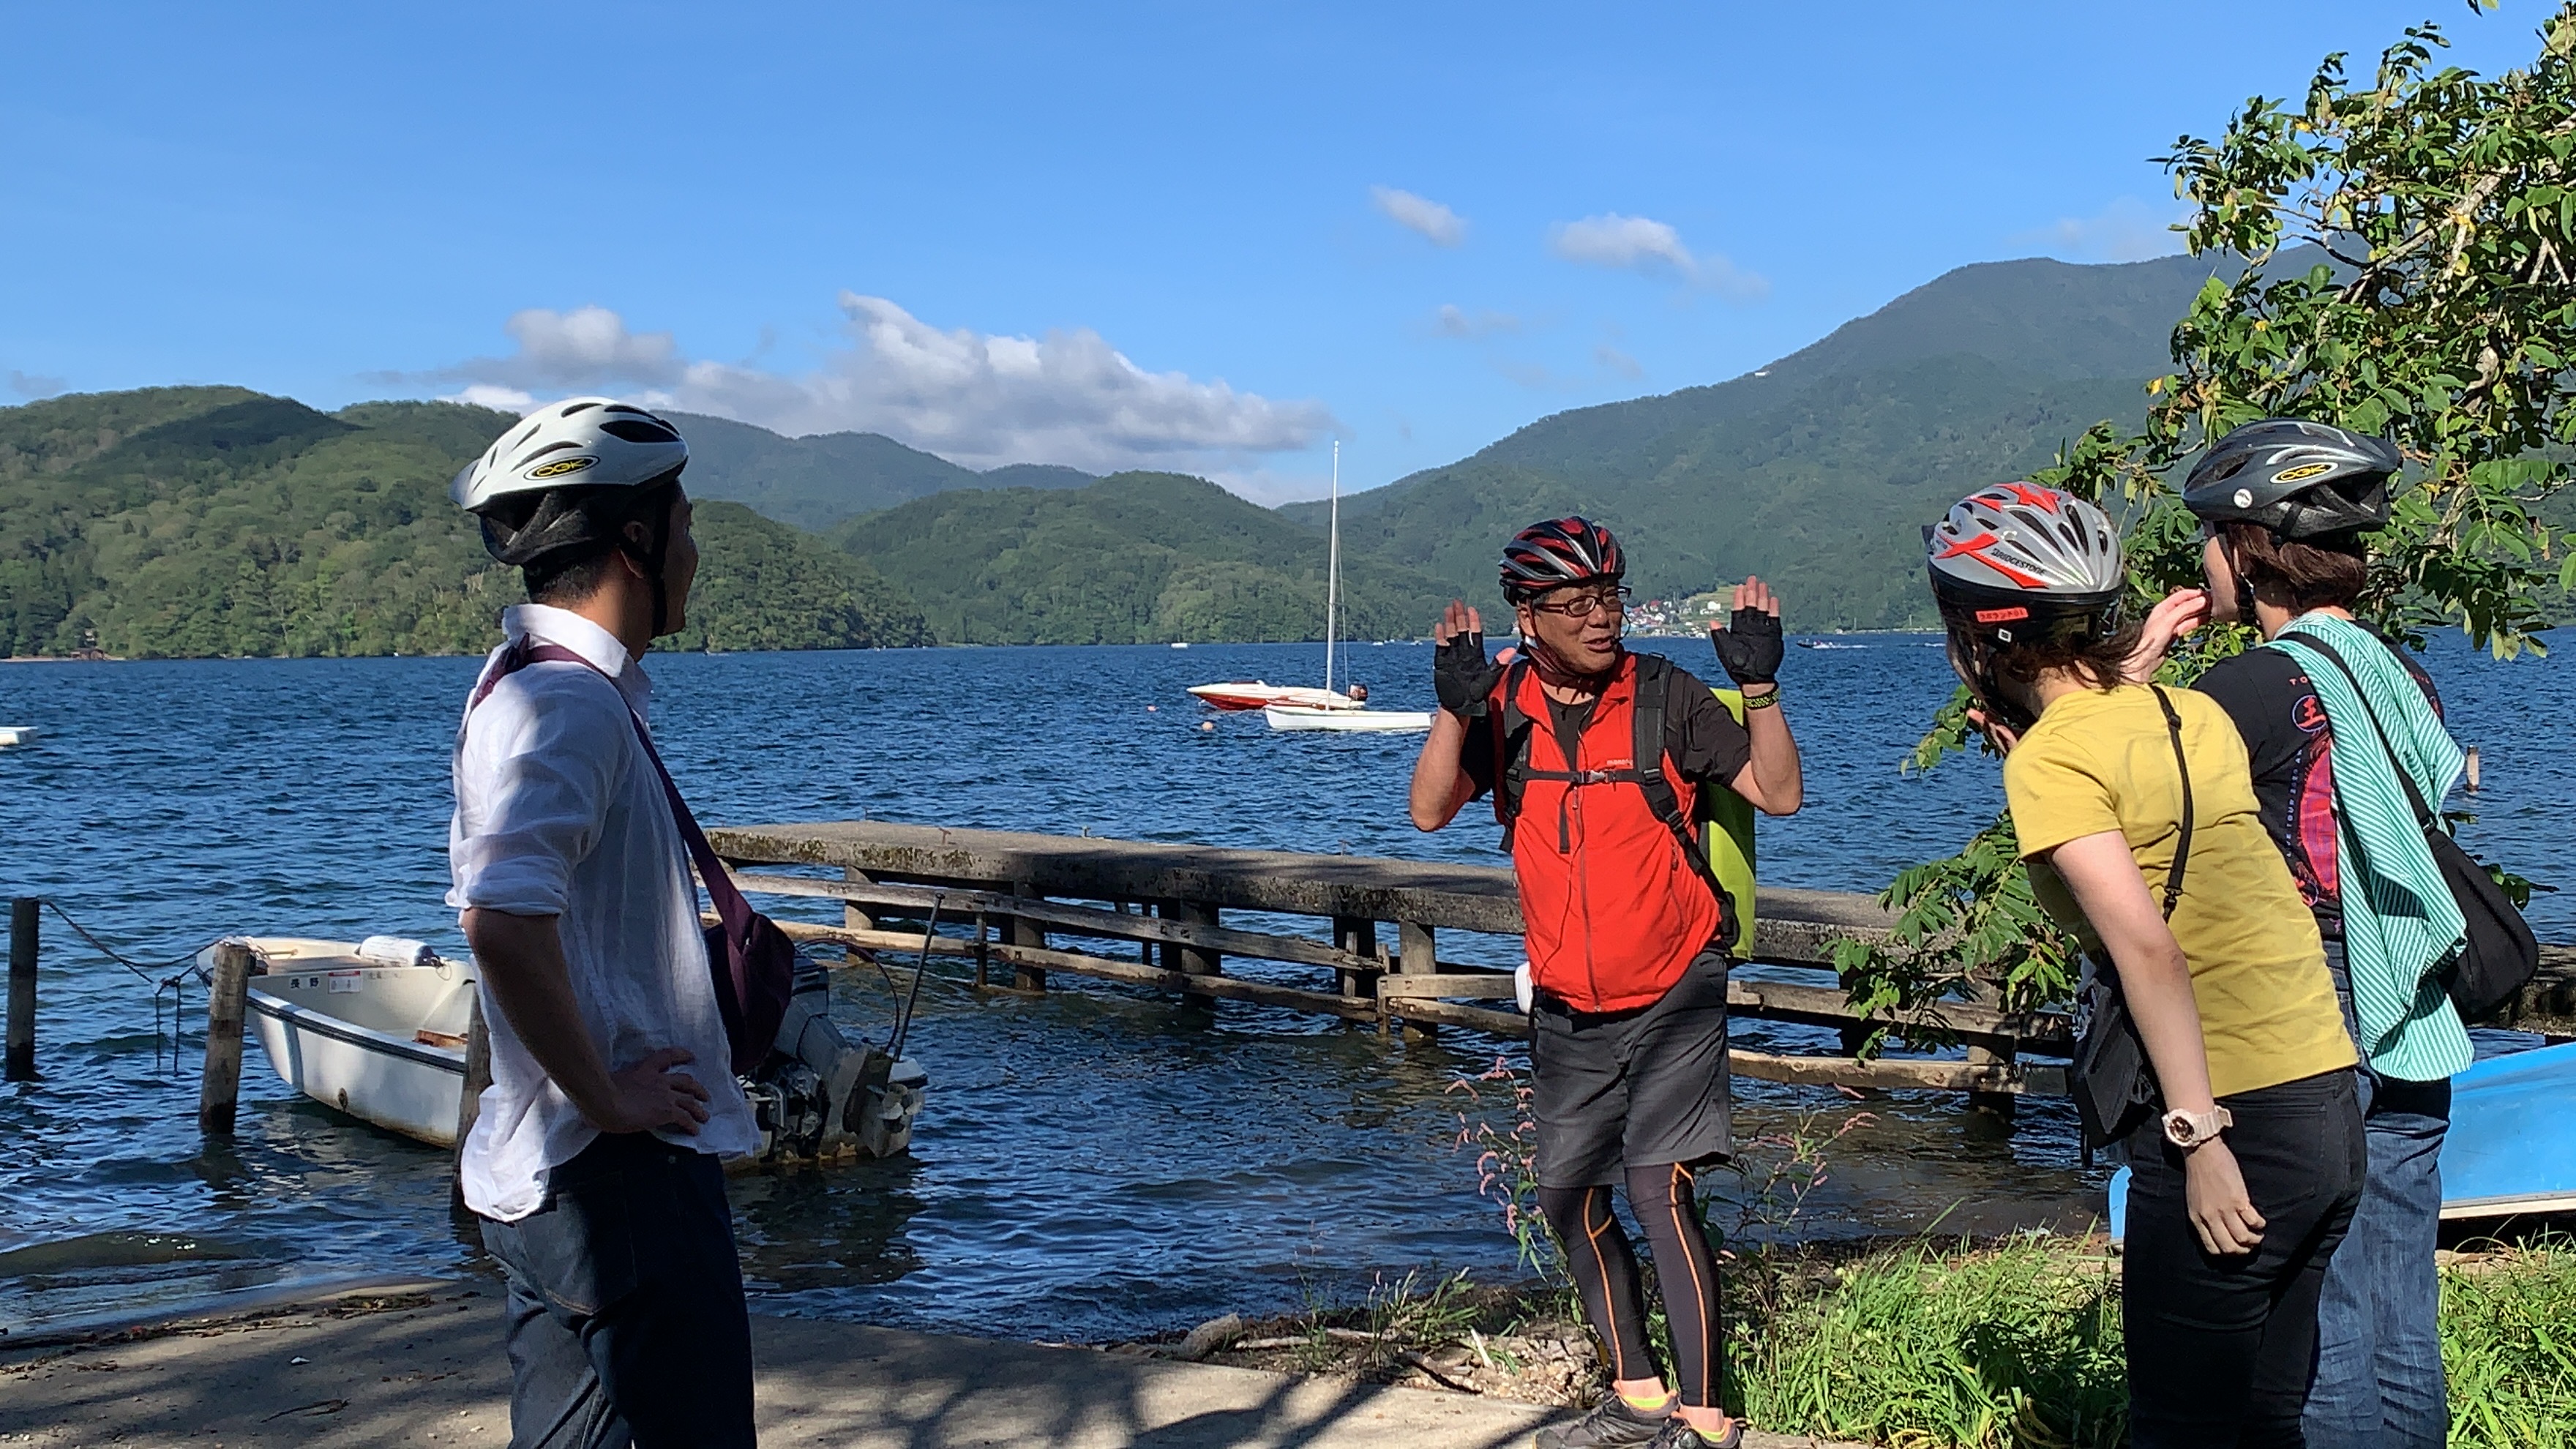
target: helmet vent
<point>635,432</point>
<point>577,407</point>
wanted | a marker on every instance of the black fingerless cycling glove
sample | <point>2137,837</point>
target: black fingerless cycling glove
<point>1462,676</point>
<point>1749,648</point>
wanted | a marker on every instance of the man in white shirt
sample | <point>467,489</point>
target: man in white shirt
<point>594,1162</point>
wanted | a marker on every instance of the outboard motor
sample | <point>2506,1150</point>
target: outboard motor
<point>801,1096</point>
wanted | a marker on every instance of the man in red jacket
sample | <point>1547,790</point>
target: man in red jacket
<point>1597,759</point>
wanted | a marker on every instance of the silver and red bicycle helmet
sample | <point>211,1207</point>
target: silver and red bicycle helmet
<point>2021,564</point>
<point>1558,552</point>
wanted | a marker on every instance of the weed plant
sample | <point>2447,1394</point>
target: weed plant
<point>2509,1348</point>
<point>2013,1345</point>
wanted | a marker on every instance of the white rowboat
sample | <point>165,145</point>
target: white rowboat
<point>1363,721</point>
<point>383,1042</point>
<point>16,735</point>
<point>378,1030</point>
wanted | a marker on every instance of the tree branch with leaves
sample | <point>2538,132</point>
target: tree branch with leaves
<point>2404,243</point>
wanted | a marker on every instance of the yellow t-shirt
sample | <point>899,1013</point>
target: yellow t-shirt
<point>2103,760</point>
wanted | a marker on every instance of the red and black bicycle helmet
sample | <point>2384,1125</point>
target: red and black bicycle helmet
<point>1558,552</point>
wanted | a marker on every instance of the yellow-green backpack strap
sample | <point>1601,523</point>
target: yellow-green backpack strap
<point>1730,841</point>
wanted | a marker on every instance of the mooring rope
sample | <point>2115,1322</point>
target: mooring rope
<point>174,985</point>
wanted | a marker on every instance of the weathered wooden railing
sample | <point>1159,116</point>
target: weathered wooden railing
<point>1004,895</point>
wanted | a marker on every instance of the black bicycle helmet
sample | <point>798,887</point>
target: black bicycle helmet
<point>2021,564</point>
<point>2298,479</point>
<point>1558,552</point>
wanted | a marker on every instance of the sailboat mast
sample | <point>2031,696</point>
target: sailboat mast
<point>1333,568</point>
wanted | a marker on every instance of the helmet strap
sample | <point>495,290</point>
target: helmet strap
<point>2244,585</point>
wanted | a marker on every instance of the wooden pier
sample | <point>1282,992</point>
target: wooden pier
<point>1021,907</point>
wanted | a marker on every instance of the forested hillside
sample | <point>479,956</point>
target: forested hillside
<point>217,521</point>
<point>815,482</point>
<point>1819,470</point>
<point>1135,558</point>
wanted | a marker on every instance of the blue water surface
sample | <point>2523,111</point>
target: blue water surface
<point>1096,1163</point>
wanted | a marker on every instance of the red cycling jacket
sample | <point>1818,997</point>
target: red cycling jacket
<point>1614,906</point>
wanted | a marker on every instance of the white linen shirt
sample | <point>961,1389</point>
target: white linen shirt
<point>559,813</point>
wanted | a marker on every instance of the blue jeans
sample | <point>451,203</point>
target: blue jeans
<point>2379,1378</point>
<point>626,1319</point>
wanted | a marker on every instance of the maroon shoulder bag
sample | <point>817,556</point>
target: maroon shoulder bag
<point>751,961</point>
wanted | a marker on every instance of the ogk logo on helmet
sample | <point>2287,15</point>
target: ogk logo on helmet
<point>560,467</point>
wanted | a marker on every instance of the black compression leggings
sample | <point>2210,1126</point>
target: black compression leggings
<point>1604,1269</point>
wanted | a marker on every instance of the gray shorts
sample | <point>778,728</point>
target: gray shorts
<point>1640,1088</point>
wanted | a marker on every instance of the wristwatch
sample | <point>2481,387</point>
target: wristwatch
<point>2188,1130</point>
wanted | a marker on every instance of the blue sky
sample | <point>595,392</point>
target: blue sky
<point>1207,237</point>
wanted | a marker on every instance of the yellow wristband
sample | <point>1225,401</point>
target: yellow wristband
<point>1762,701</point>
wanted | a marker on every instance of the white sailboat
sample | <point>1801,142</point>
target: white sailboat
<point>1346,716</point>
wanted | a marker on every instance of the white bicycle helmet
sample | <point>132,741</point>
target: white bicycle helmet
<point>2018,563</point>
<point>581,442</point>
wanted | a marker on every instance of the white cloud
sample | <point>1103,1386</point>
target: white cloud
<point>584,350</point>
<point>492,395</point>
<point>1614,360</point>
<point>32,385</point>
<point>2127,230</point>
<point>979,399</point>
<point>1453,320</point>
<point>1643,244</point>
<point>1420,215</point>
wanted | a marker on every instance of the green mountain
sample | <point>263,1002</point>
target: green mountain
<point>218,521</point>
<point>1134,558</point>
<point>815,482</point>
<point>1818,471</point>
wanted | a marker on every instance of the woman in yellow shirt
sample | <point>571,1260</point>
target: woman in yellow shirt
<point>2135,810</point>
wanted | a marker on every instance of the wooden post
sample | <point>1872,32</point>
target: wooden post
<point>219,1093</point>
<point>1191,960</point>
<point>852,917</point>
<point>1360,939</point>
<point>469,1101</point>
<point>1017,932</point>
<point>22,989</point>
<point>983,951</point>
<point>2001,1104</point>
<point>1414,957</point>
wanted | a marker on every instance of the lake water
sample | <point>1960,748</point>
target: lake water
<point>1093,1164</point>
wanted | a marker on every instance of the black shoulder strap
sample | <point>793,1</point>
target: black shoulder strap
<point>1654,696</point>
<point>1511,748</point>
<point>2423,814</point>
<point>1654,690</point>
<point>2182,846</point>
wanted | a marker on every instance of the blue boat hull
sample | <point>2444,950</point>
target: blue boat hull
<point>2512,1144</point>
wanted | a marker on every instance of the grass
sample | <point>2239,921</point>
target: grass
<point>1927,1345</point>
<point>2509,1346</point>
<point>2011,1345</point>
<point>2017,1346</point>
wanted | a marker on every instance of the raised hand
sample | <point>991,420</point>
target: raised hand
<point>1749,647</point>
<point>2175,615</point>
<point>1460,673</point>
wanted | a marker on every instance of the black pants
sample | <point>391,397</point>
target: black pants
<point>2221,1348</point>
<point>627,1323</point>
